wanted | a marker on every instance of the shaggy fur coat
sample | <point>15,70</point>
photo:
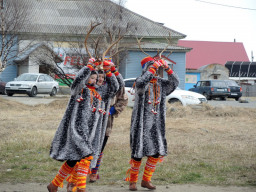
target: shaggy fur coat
<point>147,136</point>
<point>120,101</point>
<point>78,134</point>
<point>107,97</point>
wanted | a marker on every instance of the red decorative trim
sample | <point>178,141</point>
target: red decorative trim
<point>108,74</point>
<point>113,69</point>
<point>156,65</point>
<point>145,60</point>
<point>169,71</point>
<point>154,80</point>
<point>116,73</point>
<point>90,87</point>
<point>152,70</point>
<point>90,67</point>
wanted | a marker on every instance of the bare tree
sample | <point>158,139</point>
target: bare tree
<point>114,27</point>
<point>73,58</point>
<point>110,29</point>
<point>14,17</point>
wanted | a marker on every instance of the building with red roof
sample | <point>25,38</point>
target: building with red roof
<point>209,52</point>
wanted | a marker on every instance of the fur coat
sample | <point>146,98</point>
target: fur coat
<point>147,136</point>
<point>78,133</point>
<point>120,101</point>
<point>107,98</point>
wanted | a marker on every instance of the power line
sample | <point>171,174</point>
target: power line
<point>226,5</point>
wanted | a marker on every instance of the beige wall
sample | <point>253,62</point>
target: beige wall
<point>214,70</point>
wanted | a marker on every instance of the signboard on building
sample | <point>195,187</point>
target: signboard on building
<point>191,79</point>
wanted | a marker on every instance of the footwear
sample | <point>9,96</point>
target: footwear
<point>52,188</point>
<point>147,184</point>
<point>93,178</point>
<point>81,190</point>
<point>132,186</point>
<point>70,186</point>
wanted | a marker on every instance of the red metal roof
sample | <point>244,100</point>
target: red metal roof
<point>209,52</point>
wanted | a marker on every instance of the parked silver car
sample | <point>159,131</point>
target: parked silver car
<point>32,84</point>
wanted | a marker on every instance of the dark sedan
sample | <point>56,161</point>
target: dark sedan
<point>2,87</point>
<point>235,89</point>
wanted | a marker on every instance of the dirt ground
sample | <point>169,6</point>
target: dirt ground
<point>36,187</point>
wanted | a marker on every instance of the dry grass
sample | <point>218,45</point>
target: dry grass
<point>206,145</point>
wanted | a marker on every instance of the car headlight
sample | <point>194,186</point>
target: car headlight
<point>24,86</point>
<point>189,97</point>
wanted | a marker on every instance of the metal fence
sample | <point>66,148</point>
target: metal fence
<point>249,90</point>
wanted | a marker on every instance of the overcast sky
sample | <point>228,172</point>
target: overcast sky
<point>200,20</point>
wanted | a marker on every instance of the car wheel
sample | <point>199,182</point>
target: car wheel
<point>9,94</point>
<point>237,98</point>
<point>174,101</point>
<point>208,97</point>
<point>4,93</point>
<point>54,91</point>
<point>33,92</point>
<point>223,98</point>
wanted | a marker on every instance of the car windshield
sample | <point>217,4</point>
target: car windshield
<point>218,84</point>
<point>231,83</point>
<point>27,77</point>
<point>129,83</point>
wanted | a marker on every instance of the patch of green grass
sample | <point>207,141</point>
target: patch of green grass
<point>221,156</point>
<point>190,177</point>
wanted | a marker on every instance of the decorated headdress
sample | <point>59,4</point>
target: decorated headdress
<point>146,60</point>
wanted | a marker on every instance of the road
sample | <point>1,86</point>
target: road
<point>39,99</point>
<point>250,103</point>
<point>46,99</point>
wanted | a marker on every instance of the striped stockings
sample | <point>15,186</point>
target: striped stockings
<point>133,171</point>
<point>82,172</point>
<point>95,170</point>
<point>149,168</point>
<point>73,176</point>
<point>61,175</point>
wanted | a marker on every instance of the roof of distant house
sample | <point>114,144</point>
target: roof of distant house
<point>209,52</point>
<point>24,55</point>
<point>149,46</point>
<point>74,16</point>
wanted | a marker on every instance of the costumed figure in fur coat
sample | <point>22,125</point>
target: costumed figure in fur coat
<point>117,105</point>
<point>107,95</point>
<point>75,140</point>
<point>147,134</point>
